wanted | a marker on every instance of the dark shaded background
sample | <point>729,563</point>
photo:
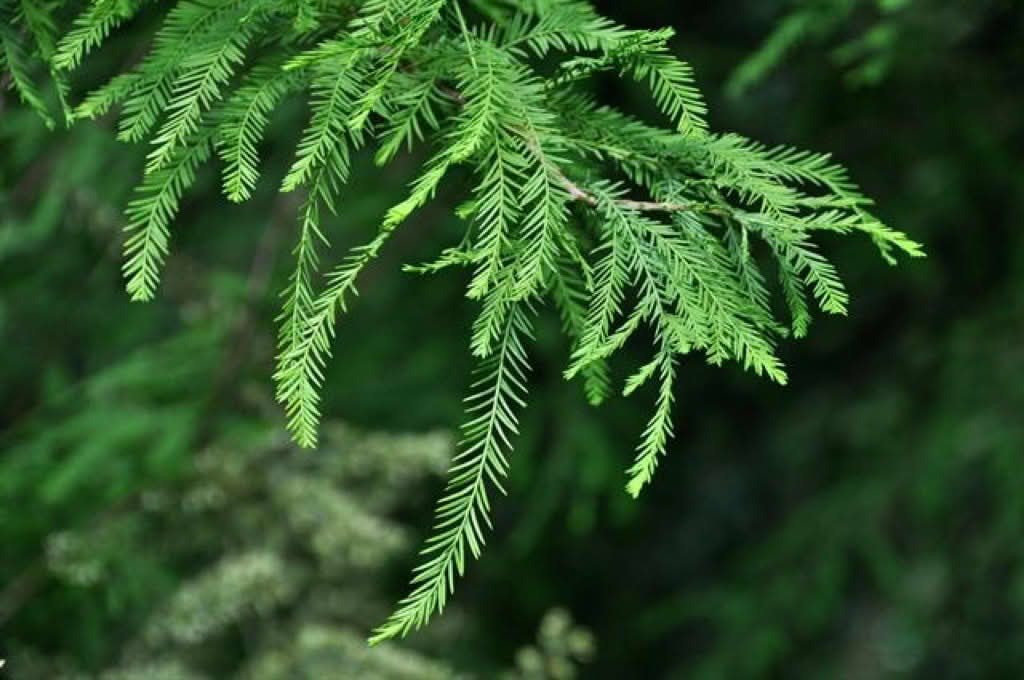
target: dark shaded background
<point>866,521</point>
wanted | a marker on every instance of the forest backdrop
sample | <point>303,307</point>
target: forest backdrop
<point>864,521</point>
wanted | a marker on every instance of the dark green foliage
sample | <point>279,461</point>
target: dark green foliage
<point>298,536</point>
<point>300,539</point>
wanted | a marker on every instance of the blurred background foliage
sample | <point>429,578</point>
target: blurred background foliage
<point>864,522</point>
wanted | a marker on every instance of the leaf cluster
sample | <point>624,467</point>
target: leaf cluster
<point>705,239</point>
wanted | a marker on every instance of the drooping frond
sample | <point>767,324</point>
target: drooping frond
<point>91,28</point>
<point>150,214</point>
<point>100,101</point>
<point>799,253</point>
<point>612,275</point>
<point>659,428</point>
<point>297,380</point>
<point>463,512</point>
<point>324,143</point>
<point>402,24</point>
<point>243,120</point>
<point>412,114</point>
<point>796,298</point>
<point>544,197</point>
<point>190,25</point>
<point>323,161</point>
<point>569,293</point>
<point>672,84</point>
<point>204,71</point>
<point>497,208</point>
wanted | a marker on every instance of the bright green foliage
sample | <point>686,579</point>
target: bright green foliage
<point>463,512</point>
<point>623,224</point>
<point>150,214</point>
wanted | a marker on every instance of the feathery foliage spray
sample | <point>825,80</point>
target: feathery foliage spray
<point>617,222</point>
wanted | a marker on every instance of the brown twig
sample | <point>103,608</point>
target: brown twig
<point>577,193</point>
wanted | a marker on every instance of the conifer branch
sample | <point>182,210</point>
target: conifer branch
<point>664,215</point>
